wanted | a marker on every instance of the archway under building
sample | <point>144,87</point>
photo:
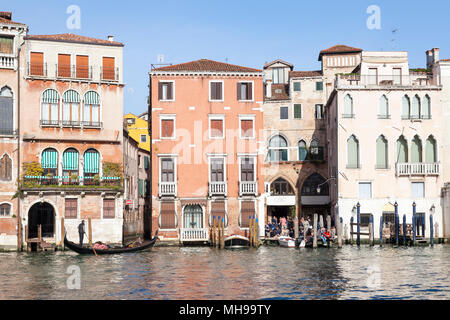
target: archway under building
<point>315,198</point>
<point>41,214</point>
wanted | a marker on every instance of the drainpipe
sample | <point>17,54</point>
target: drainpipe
<point>149,214</point>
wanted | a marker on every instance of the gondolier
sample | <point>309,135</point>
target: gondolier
<point>81,232</point>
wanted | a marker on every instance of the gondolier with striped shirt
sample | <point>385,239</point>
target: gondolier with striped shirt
<point>81,232</point>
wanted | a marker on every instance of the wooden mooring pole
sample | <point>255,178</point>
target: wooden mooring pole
<point>219,233</point>
<point>414,224</point>
<point>404,230</point>
<point>381,231</point>
<point>351,230</point>
<point>250,231</point>
<point>222,238</point>
<point>371,236</point>
<point>90,229</point>
<point>315,231</point>
<point>255,233</point>
<point>431,231</point>
<point>397,222</point>
<point>62,234</point>
<point>339,231</point>
<point>358,225</point>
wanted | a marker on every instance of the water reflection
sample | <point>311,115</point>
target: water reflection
<point>207,273</point>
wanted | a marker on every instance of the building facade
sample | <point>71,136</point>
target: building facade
<point>386,142</point>
<point>206,148</point>
<point>72,134</point>
<point>138,130</point>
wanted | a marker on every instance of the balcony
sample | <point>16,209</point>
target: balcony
<point>71,124</point>
<point>194,234</point>
<point>7,61</point>
<point>38,70</point>
<point>379,81</point>
<point>7,132</point>
<point>248,188</point>
<point>418,169</point>
<point>57,182</point>
<point>217,188</point>
<point>73,72</point>
<point>109,74</point>
<point>168,189</point>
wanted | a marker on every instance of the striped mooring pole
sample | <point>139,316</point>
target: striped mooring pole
<point>404,229</point>
<point>397,222</point>
<point>381,230</point>
<point>358,225</point>
<point>414,222</point>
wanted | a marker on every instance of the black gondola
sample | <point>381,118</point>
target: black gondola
<point>88,250</point>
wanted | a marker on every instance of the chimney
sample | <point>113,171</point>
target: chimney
<point>111,38</point>
<point>6,15</point>
<point>432,57</point>
<point>269,89</point>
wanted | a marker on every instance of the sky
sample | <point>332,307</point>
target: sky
<point>242,32</point>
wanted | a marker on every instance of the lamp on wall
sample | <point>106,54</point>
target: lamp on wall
<point>318,187</point>
<point>432,209</point>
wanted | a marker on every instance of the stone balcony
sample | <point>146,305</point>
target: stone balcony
<point>418,169</point>
<point>218,189</point>
<point>168,189</point>
<point>248,188</point>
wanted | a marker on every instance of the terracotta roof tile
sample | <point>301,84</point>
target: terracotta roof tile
<point>339,48</point>
<point>279,92</point>
<point>6,18</point>
<point>295,74</point>
<point>206,65</point>
<point>445,60</point>
<point>69,37</point>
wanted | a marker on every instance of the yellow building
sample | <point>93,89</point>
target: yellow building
<point>138,130</point>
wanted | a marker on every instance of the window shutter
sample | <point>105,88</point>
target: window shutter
<point>170,91</point>
<point>297,111</point>
<point>167,215</point>
<point>64,66</point>
<point>146,162</point>
<point>249,91</point>
<point>167,128</point>
<point>217,128</point>
<point>160,91</point>
<point>37,63</point>
<point>297,86</point>
<point>6,115</point>
<point>246,128</point>
<point>247,210</point>
<point>239,97</point>
<point>219,90</point>
<point>82,67</point>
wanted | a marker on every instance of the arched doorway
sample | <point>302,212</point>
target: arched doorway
<point>315,196</point>
<point>281,202</point>
<point>43,214</point>
<point>193,217</point>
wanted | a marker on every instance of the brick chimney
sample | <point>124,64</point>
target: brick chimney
<point>6,15</point>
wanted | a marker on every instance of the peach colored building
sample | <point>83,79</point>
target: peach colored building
<point>71,129</point>
<point>11,35</point>
<point>206,148</point>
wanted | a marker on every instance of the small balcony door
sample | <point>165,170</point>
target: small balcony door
<point>193,217</point>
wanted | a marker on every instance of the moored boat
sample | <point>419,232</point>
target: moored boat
<point>236,241</point>
<point>89,250</point>
<point>286,242</point>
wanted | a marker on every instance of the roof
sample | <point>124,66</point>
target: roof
<point>278,61</point>
<point>6,18</point>
<point>206,65</point>
<point>279,92</point>
<point>339,48</point>
<point>70,37</point>
<point>299,74</point>
<point>445,60</point>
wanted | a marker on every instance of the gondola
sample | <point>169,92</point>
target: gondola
<point>236,241</point>
<point>88,250</point>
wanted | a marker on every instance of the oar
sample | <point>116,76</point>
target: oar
<point>91,244</point>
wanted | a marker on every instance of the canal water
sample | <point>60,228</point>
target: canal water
<point>206,273</point>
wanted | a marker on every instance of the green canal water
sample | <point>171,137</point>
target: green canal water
<point>205,273</point>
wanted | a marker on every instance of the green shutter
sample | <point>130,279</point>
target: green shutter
<point>70,160</point>
<point>405,107</point>
<point>297,86</point>
<point>50,159</point>
<point>302,151</point>
<point>416,151</point>
<point>381,153</point>
<point>430,151</point>
<point>141,187</point>
<point>352,150</point>
<point>297,111</point>
<point>348,105</point>
<point>319,86</point>
<point>91,161</point>
<point>146,162</point>
<point>402,148</point>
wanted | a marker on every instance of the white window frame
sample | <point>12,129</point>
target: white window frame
<point>371,189</point>
<point>168,117</point>
<point>216,117</point>
<point>417,182</point>
<point>255,159</point>
<point>175,173</point>
<point>223,91</point>
<point>173,89</point>
<point>218,156</point>
<point>253,90</point>
<point>11,212</point>
<point>247,117</point>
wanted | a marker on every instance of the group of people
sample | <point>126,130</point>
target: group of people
<point>284,226</point>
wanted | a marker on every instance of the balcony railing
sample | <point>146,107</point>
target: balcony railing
<point>73,71</point>
<point>7,61</point>
<point>418,169</point>
<point>218,188</point>
<point>7,132</point>
<point>194,234</point>
<point>110,74</point>
<point>71,124</point>
<point>356,80</point>
<point>57,181</point>
<point>37,70</point>
<point>248,188</point>
<point>62,71</point>
<point>168,189</point>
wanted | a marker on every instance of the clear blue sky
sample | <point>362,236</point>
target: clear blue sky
<point>246,32</point>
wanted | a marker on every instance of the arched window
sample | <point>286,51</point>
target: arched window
<point>416,150</point>
<point>383,110</point>
<point>5,168</point>
<point>431,150</point>
<point>6,112</point>
<point>281,187</point>
<point>5,210</point>
<point>91,160</point>
<point>426,108</point>
<point>382,153</point>
<point>302,151</point>
<point>70,166</point>
<point>402,150</point>
<point>315,186</point>
<point>50,107</point>
<point>71,108</point>
<point>352,152</point>
<point>415,107</point>
<point>406,107</point>
<point>278,150</point>
<point>91,111</point>
<point>348,107</point>
<point>49,161</point>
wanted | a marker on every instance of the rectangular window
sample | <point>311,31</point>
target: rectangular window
<point>247,210</point>
<point>247,169</point>
<point>109,208</point>
<point>365,219</point>
<point>71,209</point>
<point>216,128</point>
<point>247,128</point>
<point>278,75</point>
<point>167,170</point>
<point>109,68</point>
<point>165,91</point>
<point>217,170</point>
<point>397,75</point>
<point>284,113</point>
<point>143,138</point>
<point>64,66</point>
<point>245,91</point>
<point>82,68</point>
<point>167,215</point>
<point>373,76</point>
<point>167,128</point>
<point>5,210</point>
<point>297,111</point>
<point>141,188</point>
<point>215,93</point>
<point>319,86</point>
<point>6,45</point>
<point>365,190</point>
<point>36,64</point>
<point>418,190</point>
<point>297,86</point>
<point>146,162</point>
<point>319,114</point>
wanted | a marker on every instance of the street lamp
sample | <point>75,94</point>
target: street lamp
<point>432,209</point>
<point>318,187</point>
